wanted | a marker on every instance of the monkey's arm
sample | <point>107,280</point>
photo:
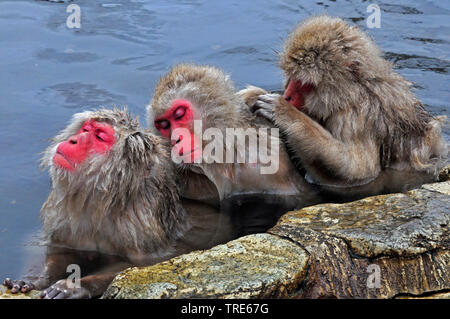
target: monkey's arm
<point>56,261</point>
<point>327,159</point>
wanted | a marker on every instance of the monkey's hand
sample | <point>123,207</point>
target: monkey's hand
<point>265,105</point>
<point>250,94</point>
<point>60,290</point>
<point>18,285</point>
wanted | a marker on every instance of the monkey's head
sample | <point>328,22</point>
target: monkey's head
<point>324,61</point>
<point>96,143</point>
<point>189,93</point>
<point>107,154</point>
<point>113,180</point>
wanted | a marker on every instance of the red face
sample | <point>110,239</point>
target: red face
<point>295,93</point>
<point>93,138</point>
<point>180,116</point>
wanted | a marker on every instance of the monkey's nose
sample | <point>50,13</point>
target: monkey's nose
<point>73,140</point>
<point>176,141</point>
<point>287,97</point>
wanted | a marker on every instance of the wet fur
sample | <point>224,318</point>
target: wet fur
<point>221,106</point>
<point>212,93</point>
<point>362,115</point>
<point>209,88</point>
<point>124,203</point>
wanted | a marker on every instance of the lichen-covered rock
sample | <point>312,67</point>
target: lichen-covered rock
<point>401,239</point>
<point>254,266</point>
<point>390,246</point>
<point>398,224</point>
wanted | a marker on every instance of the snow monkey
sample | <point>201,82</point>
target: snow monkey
<point>113,192</point>
<point>345,113</point>
<point>194,106</point>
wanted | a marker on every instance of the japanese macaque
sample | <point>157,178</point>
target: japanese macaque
<point>345,113</point>
<point>114,202</point>
<point>208,123</point>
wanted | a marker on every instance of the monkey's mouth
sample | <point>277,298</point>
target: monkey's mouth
<point>295,93</point>
<point>61,161</point>
<point>191,155</point>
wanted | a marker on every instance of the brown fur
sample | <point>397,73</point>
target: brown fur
<point>209,88</point>
<point>213,96</point>
<point>125,202</point>
<point>217,104</point>
<point>361,117</point>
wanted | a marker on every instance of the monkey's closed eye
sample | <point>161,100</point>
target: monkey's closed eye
<point>179,113</point>
<point>86,128</point>
<point>162,125</point>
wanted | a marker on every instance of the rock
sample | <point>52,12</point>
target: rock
<point>438,295</point>
<point>403,239</point>
<point>6,294</point>
<point>390,225</point>
<point>254,266</point>
<point>389,246</point>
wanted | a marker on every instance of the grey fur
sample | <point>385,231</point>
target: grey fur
<point>362,115</point>
<point>125,202</point>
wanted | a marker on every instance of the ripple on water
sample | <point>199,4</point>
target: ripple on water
<point>77,95</point>
<point>401,9</point>
<point>68,56</point>
<point>410,61</point>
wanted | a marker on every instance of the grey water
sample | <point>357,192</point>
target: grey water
<point>48,71</point>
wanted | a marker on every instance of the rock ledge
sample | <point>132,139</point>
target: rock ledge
<point>388,246</point>
<point>384,246</point>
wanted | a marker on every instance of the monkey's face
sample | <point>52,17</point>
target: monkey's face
<point>94,137</point>
<point>296,92</point>
<point>177,124</point>
<point>106,150</point>
<point>189,100</point>
<point>325,62</point>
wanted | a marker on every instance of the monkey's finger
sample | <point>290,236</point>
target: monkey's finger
<point>44,294</point>
<point>74,295</point>
<point>52,293</point>
<point>265,103</point>
<point>259,105</point>
<point>27,288</point>
<point>264,108</point>
<point>8,283</point>
<point>56,295</point>
<point>63,294</point>
<point>254,107</point>
<point>265,114</point>
<point>273,96</point>
<point>15,289</point>
<point>268,98</point>
<point>17,286</point>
